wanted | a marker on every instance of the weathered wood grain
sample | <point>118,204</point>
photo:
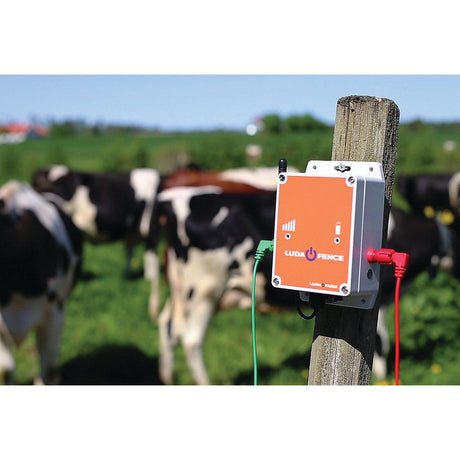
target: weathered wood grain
<point>366,129</point>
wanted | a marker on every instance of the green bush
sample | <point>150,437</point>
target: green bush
<point>218,152</point>
<point>293,123</point>
<point>64,129</point>
<point>272,123</point>
<point>309,123</point>
<point>430,316</point>
<point>134,155</point>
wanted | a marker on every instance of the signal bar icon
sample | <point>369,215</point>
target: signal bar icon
<point>289,226</point>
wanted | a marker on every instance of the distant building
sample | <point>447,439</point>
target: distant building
<point>14,133</point>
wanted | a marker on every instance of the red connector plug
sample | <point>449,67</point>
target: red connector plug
<point>390,257</point>
<point>401,261</point>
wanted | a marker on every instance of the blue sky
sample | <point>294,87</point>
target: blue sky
<point>217,101</point>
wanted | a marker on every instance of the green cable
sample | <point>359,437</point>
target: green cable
<point>253,320</point>
<point>262,249</point>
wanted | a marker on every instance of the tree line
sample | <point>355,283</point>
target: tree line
<point>274,123</point>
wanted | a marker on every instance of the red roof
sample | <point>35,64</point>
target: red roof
<point>26,128</point>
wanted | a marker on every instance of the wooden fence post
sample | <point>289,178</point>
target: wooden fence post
<point>366,129</point>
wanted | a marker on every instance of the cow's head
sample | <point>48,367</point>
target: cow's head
<point>9,206</point>
<point>58,180</point>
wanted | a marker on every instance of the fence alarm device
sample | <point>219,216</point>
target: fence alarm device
<point>326,220</point>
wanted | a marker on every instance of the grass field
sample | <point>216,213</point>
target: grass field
<point>108,337</point>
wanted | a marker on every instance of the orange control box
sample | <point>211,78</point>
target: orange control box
<point>326,219</point>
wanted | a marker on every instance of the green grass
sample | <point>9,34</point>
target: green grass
<point>108,337</point>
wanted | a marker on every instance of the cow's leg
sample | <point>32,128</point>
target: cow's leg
<point>198,319</point>
<point>382,346</point>
<point>178,278</point>
<point>167,344</point>
<point>152,274</point>
<point>172,319</point>
<point>48,338</point>
<point>129,251</point>
<point>6,358</point>
<point>206,277</point>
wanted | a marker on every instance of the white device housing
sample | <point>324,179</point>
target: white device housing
<point>295,230</point>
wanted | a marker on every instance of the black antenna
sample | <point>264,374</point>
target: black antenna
<point>282,166</point>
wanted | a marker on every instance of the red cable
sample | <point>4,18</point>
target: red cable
<point>397,293</point>
<point>401,261</point>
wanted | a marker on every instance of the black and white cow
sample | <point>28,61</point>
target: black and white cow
<point>212,238</point>
<point>40,258</point>
<point>109,206</point>
<point>438,197</point>
<point>438,191</point>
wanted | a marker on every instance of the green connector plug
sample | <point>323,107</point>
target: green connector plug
<point>263,248</point>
